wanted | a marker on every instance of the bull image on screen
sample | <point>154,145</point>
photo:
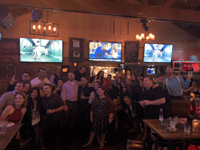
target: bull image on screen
<point>105,51</point>
<point>158,53</point>
<point>40,50</point>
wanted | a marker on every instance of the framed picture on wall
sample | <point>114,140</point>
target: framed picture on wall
<point>76,49</point>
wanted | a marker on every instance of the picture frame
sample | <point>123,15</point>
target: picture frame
<point>76,49</point>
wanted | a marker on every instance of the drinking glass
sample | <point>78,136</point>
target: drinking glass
<point>3,126</point>
<point>187,128</point>
<point>172,124</point>
<point>195,125</point>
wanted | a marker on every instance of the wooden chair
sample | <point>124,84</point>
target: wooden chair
<point>135,145</point>
<point>154,138</point>
<point>180,108</point>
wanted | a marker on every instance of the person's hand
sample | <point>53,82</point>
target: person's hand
<point>82,96</point>
<point>145,103</point>
<point>66,108</point>
<point>155,86</point>
<point>13,81</point>
<point>110,120</point>
<point>189,77</point>
<point>50,111</point>
<point>91,119</point>
<point>58,88</point>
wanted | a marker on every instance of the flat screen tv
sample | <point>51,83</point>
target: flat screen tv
<point>105,51</point>
<point>151,70</point>
<point>157,53</point>
<point>41,50</point>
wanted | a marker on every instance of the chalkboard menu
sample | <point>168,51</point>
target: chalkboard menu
<point>131,51</point>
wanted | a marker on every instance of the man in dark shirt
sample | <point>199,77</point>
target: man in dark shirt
<point>55,121</point>
<point>83,114</point>
<point>80,73</point>
<point>152,99</point>
<point>26,77</point>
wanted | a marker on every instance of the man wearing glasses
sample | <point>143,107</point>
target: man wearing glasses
<point>26,77</point>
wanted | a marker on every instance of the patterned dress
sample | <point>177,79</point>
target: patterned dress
<point>101,107</point>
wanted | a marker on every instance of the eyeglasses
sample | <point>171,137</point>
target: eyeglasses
<point>25,75</point>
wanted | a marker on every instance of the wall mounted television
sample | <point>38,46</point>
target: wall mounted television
<point>157,53</point>
<point>105,51</point>
<point>41,50</point>
<point>151,70</point>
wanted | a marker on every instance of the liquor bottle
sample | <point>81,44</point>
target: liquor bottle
<point>161,118</point>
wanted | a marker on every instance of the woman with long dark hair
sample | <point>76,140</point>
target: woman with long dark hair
<point>101,116</point>
<point>34,113</point>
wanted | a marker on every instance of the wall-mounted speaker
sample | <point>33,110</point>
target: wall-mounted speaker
<point>6,18</point>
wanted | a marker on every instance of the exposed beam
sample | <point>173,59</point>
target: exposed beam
<point>120,8</point>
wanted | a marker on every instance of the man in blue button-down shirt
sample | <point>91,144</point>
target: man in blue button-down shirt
<point>175,85</point>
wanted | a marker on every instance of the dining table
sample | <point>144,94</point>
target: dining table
<point>170,136</point>
<point>6,137</point>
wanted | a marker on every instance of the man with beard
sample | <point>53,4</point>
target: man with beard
<point>55,124</point>
<point>175,85</point>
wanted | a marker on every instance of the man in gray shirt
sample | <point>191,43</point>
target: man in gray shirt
<point>8,98</point>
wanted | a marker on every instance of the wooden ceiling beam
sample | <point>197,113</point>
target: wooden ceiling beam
<point>117,8</point>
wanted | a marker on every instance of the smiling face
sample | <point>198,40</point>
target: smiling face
<point>19,99</point>
<point>19,87</point>
<point>100,91</point>
<point>47,90</point>
<point>27,87</point>
<point>34,94</point>
<point>96,85</point>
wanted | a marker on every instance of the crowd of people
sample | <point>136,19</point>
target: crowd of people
<point>53,111</point>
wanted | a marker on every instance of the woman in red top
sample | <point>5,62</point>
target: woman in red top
<point>14,113</point>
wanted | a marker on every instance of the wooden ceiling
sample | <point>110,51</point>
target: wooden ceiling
<point>180,12</point>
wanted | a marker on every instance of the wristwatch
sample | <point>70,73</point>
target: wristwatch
<point>53,111</point>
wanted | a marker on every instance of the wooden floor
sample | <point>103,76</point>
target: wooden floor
<point>120,145</point>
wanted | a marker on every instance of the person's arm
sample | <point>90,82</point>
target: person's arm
<point>3,101</point>
<point>111,117</point>
<point>184,84</point>
<point>64,107</point>
<point>10,87</point>
<point>159,101</point>
<point>91,116</point>
<point>6,112</point>
<point>52,79</point>
<point>64,94</point>
<point>188,90</point>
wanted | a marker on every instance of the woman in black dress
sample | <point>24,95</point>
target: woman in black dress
<point>101,116</point>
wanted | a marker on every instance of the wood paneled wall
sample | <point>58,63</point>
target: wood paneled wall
<point>92,27</point>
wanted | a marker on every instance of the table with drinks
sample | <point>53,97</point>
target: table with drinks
<point>174,129</point>
<point>7,132</point>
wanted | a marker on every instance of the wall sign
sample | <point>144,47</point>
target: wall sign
<point>131,51</point>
